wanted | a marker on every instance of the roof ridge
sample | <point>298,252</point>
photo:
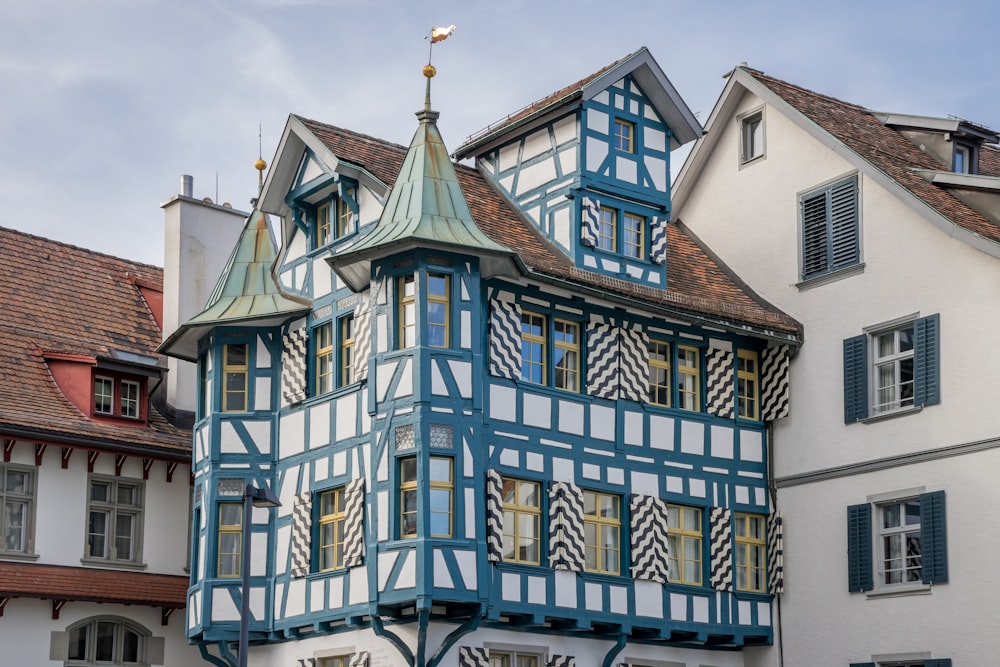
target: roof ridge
<point>88,251</point>
<point>760,74</point>
<point>353,133</point>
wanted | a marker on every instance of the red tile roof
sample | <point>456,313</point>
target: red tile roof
<point>56,582</point>
<point>61,299</point>
<point>886,149</point>
<point>695,282</point>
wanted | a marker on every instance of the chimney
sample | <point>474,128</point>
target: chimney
<point>187,185</point>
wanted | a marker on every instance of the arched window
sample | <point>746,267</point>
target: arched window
<point>107,640</point>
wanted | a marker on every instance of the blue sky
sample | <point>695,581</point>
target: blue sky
<point>105,103</point>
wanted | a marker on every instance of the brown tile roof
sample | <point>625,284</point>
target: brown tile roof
<point>695,282</point>
<point>989,161</point>
<point>56,582</point>
<point>885,148</point>
<point>58,298</point>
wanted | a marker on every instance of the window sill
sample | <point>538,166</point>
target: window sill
<point>898,590</point>
<point>17,555</point>
<point>891,414</point>
<point>746,162</point>
<point>831,277</point>
<point>113,564</point>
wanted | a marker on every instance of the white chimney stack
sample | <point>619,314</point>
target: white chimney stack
<point>187,185</point>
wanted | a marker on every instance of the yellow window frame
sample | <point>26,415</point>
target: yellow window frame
<point>335,661</point>
<point>443,485</point>
<point>407,309</point>
<point>323,357</point>
<point>534,319</point>
<point>347,350</point>
<point>518,510</point>
<point>235,370</point>
<point>230,529</point>
<point>688,371</point>
<point>598,521</point>
<point>563,330</point>
<point>323,224</point>
<point>336,518</point>
<point>748,384</point>
<point>607,229</point>
<point>634,248</point>
<point>624,135</point>
<point>659,364</point>
<point>344,215</point>
<point>408,485</point>
<point>751,551</point>
<point>444,300</point>
<point>679,535</point>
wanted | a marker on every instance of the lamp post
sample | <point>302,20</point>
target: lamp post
<point>252,497</point>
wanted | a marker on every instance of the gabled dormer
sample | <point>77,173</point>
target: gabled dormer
<point>324,203</point>
<point>589,166</point>
<point>952,142</point>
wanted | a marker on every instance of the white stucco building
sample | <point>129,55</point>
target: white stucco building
<point>879,233</point>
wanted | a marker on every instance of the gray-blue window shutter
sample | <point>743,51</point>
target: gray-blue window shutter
<point>859,548</point>
<point>844,223</point>
<point>936,662</point>
<point>814,225</point>
<point>855,378</point>
<point>926,367</point>
<point>933,538</point>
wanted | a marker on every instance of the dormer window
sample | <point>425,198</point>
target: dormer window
<point>633,241</point>
<point>624,135</point>
<point>116,396</point>
<point>616,230</point>
<point>606,229</point>
<point>964,161</point>
<point>330,215</point>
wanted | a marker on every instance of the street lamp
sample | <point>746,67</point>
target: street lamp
<point>252,497</point>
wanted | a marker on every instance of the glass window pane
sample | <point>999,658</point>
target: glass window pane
<point>78,643</point>
<point>105,641</point>
<point>408,470</point>
<point>440,469</point>
<point>17,482</point>
<point>231,514</point>
<point>130,646</point>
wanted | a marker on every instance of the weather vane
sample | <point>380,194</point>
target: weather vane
<point>437,35</point>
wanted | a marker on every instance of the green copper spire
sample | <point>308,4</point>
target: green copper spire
<point>245,294</point>
<point>426,209</point>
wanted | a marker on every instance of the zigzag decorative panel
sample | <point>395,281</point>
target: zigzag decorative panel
<point>633,365</point>
<point>363,335</point>
<point>650,559</point>
<point>306,662</point>
<point>720,548</point>
<point>354,527</point>
<point>561,661</point>
<point>719,382</point>
<point>658,240</point>
<point>293,367</point>
<point>359,659</point>
<point>505,339</point>
<point>301,534</point>
<point>494,515</point>
<point>589,221</point>
<point>774,383</point>
<point>566,546</point>
<point>473,656</point>
<point>602,361</point>
<point>776,554</point>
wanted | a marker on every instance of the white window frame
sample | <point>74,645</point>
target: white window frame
<point>751,144</point>
<point>112,509</point>
<point>132,403</point>
<point>896,358</point>
<point>903,530</point>
<point>111,397</point>
<point>28,519</point>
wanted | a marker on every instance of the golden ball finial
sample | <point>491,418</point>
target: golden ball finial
<point>260,165</point>
<point>429,71</point>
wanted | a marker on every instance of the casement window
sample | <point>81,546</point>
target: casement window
<point>331,529</point>
<point>438,309</point>
<point>336,660</point>
<point>892,368</point>
<point>440,490</point>
<point>522,520</point>
<point>601,532</point>
<point>607,229</point>
<point>235,371</point>
<point>230,537</point>
<point>114,520</point>
<point>897,543</point>
<point>684,544</point>
<point>104,395</point>
<point>323,224</point>
<point>333,218</point>
<point>747,384</point>
<point>117,397</point>
<point>964,159</point>
<point>751,136</point>
<point>17,501</point>
<point>345,213</point>
<point>688,378</point>
<point>533,341</point>
<point>323,358</point>
<point>347,347</point>
<point>633,236</point>
<point>830,229</point>
<point>107,641</point>
<point>623,136</point>
<point>513,659</point>
<point>659,373</point>
<point>406,309</point>
<point>566,355</point>
<point>750,531</point>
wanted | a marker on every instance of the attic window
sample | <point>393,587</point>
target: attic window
<point>964,161</point>
<point>751,136</point>
<point>119,396</point>
<point>624,136</point>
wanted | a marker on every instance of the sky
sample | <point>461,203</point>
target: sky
<point>104,104</point>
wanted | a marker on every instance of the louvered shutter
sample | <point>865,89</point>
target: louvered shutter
<point>776,553</point>
<point>859,548</point>
<point>719,385</point>
<point>814,242</point>
<point>855,379</point>
<point>359,659</point>
<point>774,398</point>
<point>301,534</point>
<point>720,546</point>
<point>363,313</point>
<point>473,656</point>
<point>293,366</point>
<point>602,361</point>
<point>926,371</point>
<point>590,221</point>
<point>566,545</point>
<point>844,223</point>
<point>633,369</point>
<point>354,523</point>
<point>658,240</point>
<point>494,515</point>
<point>648,533</point>
<point>505,339</point>
<point>933,538</point>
